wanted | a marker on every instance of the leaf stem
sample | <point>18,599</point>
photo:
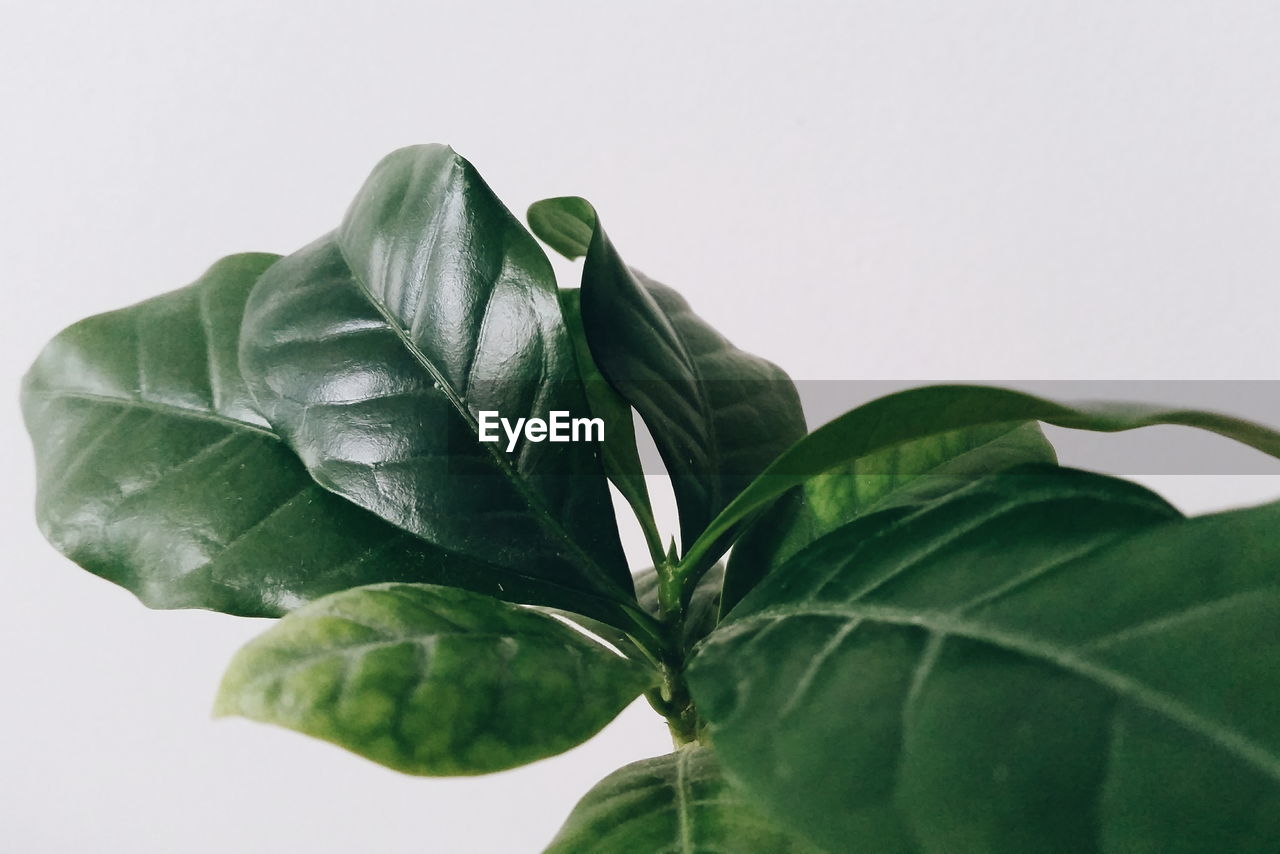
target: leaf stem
<point>703,554</point>
<point>652,539</point>
<point>696,563</point>
<point>671,699</point>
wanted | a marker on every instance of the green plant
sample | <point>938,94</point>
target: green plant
<point>928,637</point>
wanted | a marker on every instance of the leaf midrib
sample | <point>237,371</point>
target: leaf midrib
<point>948,624</point>
<point>680,348</point>
<point>169,409</point>
<point>704,400</point>
<point>933,469</point>
<point>683,796</point>
<point>425,643</point>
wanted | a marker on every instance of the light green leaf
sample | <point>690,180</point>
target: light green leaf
<point>431,680</point>
<point>674,804</point>
<point>155,471</point>
<point>373,351</point>
<point>718,415</point>
<point>1052,662</point>
<point>919,413</point>
<point>911,473</point>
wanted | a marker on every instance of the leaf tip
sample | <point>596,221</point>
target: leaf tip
<point>565,223</point>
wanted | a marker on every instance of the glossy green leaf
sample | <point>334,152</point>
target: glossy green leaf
<point>910,473</point>
<point>156,472</point>
<point>621,458</point>
<point>373,351</point>
<point>718,415</point>
<point>918,413</point>
<point>1051,662</point>
<point>431,680</point>
<point>674,804</point>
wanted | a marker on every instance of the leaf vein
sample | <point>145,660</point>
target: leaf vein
<point>1144,695</point>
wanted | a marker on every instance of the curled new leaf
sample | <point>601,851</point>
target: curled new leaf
<point>621,458</point>
<point>717,414</point>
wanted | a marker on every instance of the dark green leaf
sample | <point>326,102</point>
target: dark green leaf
<point>621,459</point>
<point>674,804</point>
<point>155,471</point>
<point>910,473</point>
<point>919,413</point>
<point>372,352</point>
<point>1055,663</point>
<point>718,415</point>
<point>431,680</point>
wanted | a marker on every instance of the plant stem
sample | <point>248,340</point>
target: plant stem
<point>672,699</point>
<point>682,717</point>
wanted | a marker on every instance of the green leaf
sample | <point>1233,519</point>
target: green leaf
<point>718,415</point>
<point>621,458</point>
<point>674,804</point>
<point>373,351</point>
<point>919,471</point>
<point>1048,663</point>
<point>911,473</point>
<point>431,680</point>
<point>919,413</point>
<point>566,224</point>
<point>155,471</point>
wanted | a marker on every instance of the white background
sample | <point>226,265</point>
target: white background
<point>991,191</point>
